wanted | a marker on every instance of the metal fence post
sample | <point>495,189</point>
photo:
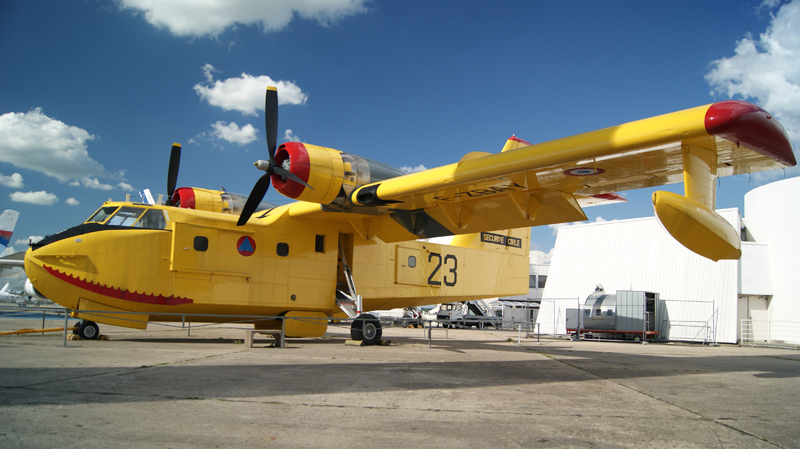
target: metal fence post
<point>430,324</point>
<point>66,314</point>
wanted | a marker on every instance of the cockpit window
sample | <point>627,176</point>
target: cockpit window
<point>152,219</point>
<point>126,216</point>
<point>102,214</point>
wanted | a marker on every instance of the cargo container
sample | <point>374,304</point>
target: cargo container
<point>627,314</point>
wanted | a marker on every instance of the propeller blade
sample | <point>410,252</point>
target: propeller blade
<point>280,171</point>
<point>259,190</point>
<point>172,174</point>
<point>271,120</point>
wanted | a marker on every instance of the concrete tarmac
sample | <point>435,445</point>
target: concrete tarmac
<point>472,388</point>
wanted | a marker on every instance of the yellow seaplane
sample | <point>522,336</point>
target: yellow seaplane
<point>354,240</point>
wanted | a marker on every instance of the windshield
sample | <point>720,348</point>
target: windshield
<point>126,216</point>
<point>131,217</point>
<point>102,214</point>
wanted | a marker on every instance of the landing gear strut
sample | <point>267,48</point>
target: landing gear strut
<point>366,328</point>
<point>87,330</point>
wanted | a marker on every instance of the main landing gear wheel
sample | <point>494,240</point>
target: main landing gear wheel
<point>366,328</point>
<point>87,330</point>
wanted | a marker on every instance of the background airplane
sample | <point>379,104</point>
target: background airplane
<point>7,295</point>
<point>10,264</point>
<point>8,220</point>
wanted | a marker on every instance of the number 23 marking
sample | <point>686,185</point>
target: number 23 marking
<point>447,259</point>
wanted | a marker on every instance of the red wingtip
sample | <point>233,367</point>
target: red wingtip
<point>751,126</point>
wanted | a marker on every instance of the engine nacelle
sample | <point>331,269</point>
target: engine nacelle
<point>213,200</point>
<point>332,173</point>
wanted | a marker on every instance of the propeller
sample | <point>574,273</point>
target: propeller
<point>172,174</point>
<point>270,167</point>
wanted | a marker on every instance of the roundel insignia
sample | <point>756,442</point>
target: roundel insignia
<point>583,171</point>
<point>246,246</point>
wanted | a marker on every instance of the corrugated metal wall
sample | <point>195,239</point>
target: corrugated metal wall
<point>640,255</point>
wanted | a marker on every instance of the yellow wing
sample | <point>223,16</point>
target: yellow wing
<point>547,183</point>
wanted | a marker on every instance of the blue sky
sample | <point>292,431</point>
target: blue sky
<point>94,93</point>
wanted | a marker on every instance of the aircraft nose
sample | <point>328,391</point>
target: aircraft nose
<point>73,232</point>
<point>58,256</point>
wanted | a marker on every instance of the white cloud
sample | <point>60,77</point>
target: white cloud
<point>232,133</point>
<point>289,136</point>
<point>210,18</point>
<point>409,169</point>
<point>72,202</point>
<point>125,187</point>
<point>41,197</point>
<point>540,257</point>
<point>246,93</point>
<point>14,181</point>
<point>33,238</point>
<point>766,70</point>
<point>93,183</point>
<point>34,141</point>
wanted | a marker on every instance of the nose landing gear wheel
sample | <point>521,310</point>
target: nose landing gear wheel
<point>366,328</point>
<point>87,330</point>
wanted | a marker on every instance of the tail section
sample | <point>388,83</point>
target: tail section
<point>8,220</point>
<point>4,289</point>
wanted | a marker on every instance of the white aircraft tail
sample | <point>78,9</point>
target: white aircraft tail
<point>4,289</point>
<point>8,219</point>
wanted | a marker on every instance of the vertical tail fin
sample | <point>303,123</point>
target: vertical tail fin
<point>4,289</point>
<point>8,219</point>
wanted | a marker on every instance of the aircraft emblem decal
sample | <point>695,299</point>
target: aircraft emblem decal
<point>116,293</point>
<point>5,237</point>
<point>246,246</point>
<point>583,171</point>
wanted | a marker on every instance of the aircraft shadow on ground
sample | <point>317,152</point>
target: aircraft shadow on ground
<point>255,377</point>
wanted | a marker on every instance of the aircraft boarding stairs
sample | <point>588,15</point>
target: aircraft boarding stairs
<point>348,301</point>
<point>480,308</point>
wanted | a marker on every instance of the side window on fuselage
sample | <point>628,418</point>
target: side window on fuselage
<point>152,219</point>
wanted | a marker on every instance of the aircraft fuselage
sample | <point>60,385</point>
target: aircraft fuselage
<point>161,263</point>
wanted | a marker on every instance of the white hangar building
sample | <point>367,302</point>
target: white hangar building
<point>699,300</point>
